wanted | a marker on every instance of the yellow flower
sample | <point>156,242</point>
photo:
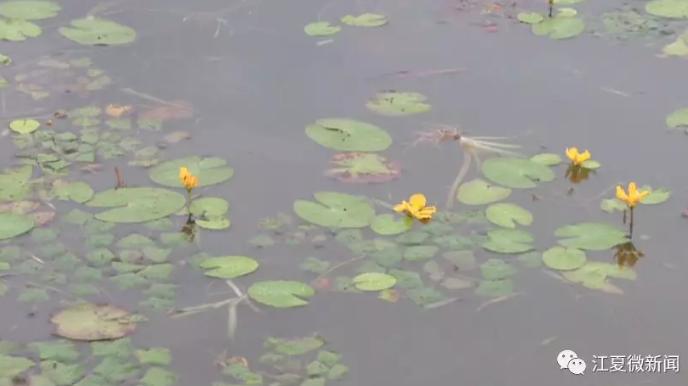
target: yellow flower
<point>576,157</point>
<point>189,180</point>
<point>633,197</point>
<point>415,207</point>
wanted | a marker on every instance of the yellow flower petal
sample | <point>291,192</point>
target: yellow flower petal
<point>401,208</point>
<point>183,173</point>
<point>584,157</point>
<point>643,194</point>
<point>572,153</point>
<point>632,190</point>
<point>417,201</point>
<point>621,194</point>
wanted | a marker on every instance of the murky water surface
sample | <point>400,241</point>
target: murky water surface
<point>240,81</point>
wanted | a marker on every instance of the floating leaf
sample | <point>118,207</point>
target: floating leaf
<point>566,12</point>
<point>495,288</point>
<point>480,192</point>
<point>590,164</point>
<point>77,191</point>
<point>495,269</point>
<point>363,168</point>
<point>591,236</point>
<point>13,225</point>
<point>16,30</point>
<point>94,31</point>
<point>24,126</point>
<point>656,196</point>
<point>420,252</point>
<point>156,376</point>
<point>389,224</point>
<point>134,205</point>
<point>209,170</point>
<point>611,205</point>
<point>674,9</point>
<point>154,356</point>
<point>11,366</point>
<point>229,267</point>
<point>530,17</point>
<point>374,281</point>
<point>321,28</point>
<point>516,173</point>
<point>209,206</point>
<point>214,223</point>
<point>365,20</point>
<point>547,159</point>
<point>348,135</point>
<point>29,10</point>
<point>559,27</point>
<point>398,103</point>
<point>508,215</point>
<point>678,118</point>
<point>336,210</point>
<point>508,241</point>
<point>564,259</point>
<point>281,293</point>
<point>92,322</point>
<point>594,274</point>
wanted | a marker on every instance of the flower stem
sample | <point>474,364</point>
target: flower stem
<point>631,224</point>
<point>451,197</point>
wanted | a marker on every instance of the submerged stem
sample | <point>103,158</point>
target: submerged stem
<point>451,197</point>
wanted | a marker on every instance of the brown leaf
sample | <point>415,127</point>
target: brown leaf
<point>176,109</point>
<point>43,218</point>
<point>116,111</point>
<point>19,207</point>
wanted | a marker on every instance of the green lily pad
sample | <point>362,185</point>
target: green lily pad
<point>348,135</point>
<point>480,192</point>
<point>547,159</point>
<point>559,27</point>
<point>77,191</point>
<point>13,225</point>
<point>678,118</point>
<point>24,126</point>
<point>656,196</point>
<point>389,224</point>
<point>611,205</point>
<point>365,20</point>
<point>94,32</point>
<point>674,9</point>
<point>508,215</point>
<point>398,103</point>
<point>374,281</point>
<point>508,241</point>
<point>564,259</point>
<point>590,164</point>
<point>594,274</point>
<point>321,28</point>
<point>420,252</point>
<point>16,30</point>
<point>135,205</point>
<point>214,223</point>
<point>229,267</point>
<point>495,269</point>
<point>591,236</point>
<point>530,17</point>
<point>281,293</point>
<point>209,170</point>
<point>209,206</point>
<point>516,173</point>
<point>494,288</point>
<point>336,210</point>
<point>92,322</point>
<point>11,366</point>
<point>29,10</point>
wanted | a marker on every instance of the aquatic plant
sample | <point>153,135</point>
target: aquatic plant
<point>576,157</point>
<point>416,207</point>
<point>190,182</point>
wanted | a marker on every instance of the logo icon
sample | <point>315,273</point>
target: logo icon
<point>568,359</point>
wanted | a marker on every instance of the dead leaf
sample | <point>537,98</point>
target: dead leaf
<point>177,136</point>
<point>177,109</point>
<point>322,284</point>
<point>390,295</point>
<point>19,207</point>
<point>116,111</point>
<point>43,218</point>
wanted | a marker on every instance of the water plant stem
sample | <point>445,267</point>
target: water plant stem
<point>451,197</point>
<point>631,225</point>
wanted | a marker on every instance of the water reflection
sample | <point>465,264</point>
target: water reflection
<point>576,173</point>
<point>627,255</point>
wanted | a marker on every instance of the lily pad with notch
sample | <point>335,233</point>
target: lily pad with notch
<point>16,30</point>
<point>209,170</point>
<point>29,9</point>
<point>559,27</point>
<point>209,206</point>
<point>564,259</point>
<point>348,135</point>
<point>365,20</point>
<point>321,28</point>
<point>673,9</point>
<point>281,293</point>
<point>591,236</point>
<point>389,224</point>
<point>594,274</point>
<point>93,31</point>
<point>92,322</point>
<point>363,168</point>
<point>508,215</point>
<point>136,205</point>
<point>516,173</point>
<point>13,225</point>
<point>229,267</point>
<point>374,281</point>
<point>508,241</point>
<point>394,103</point>
<point>480,192</point>
<point>336,210</point>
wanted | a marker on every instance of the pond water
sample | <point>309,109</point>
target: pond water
<point>265,103</point>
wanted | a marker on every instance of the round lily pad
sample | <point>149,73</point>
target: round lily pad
<point>398,103</point>
<point>90,322</point>
<point>365,20</point>
<point>229,267</point>
<point>594,274</point>
<point>214,223</point>
<point>508,241</point>
<point>674,9</point>
<point>13,225</point>
<point>656,196</point>
<point>281,293</point>
<point>336,210</point>
<point>363,168</point>
<point>24,126</point>
<point>29,10</point>
<point>94,32</point>
<point>321,28</point>
<point>495,269</point>
<point>209,206</point>
<point>494,288</point>
<point>389,224</point>
<point>508,215</point>
<point>547,159</point>
<point>530,17</point>
<point>678,118</point>
<point>209,170</point>
<point>559,27</point>
<point>348,135</point>
<point>564,259</point>
<point>591,236</point>
<point>17,30</point>
<point>134,205</point>
<point>516,173</point>
<point>374,281</point>
<point>480,192</point>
